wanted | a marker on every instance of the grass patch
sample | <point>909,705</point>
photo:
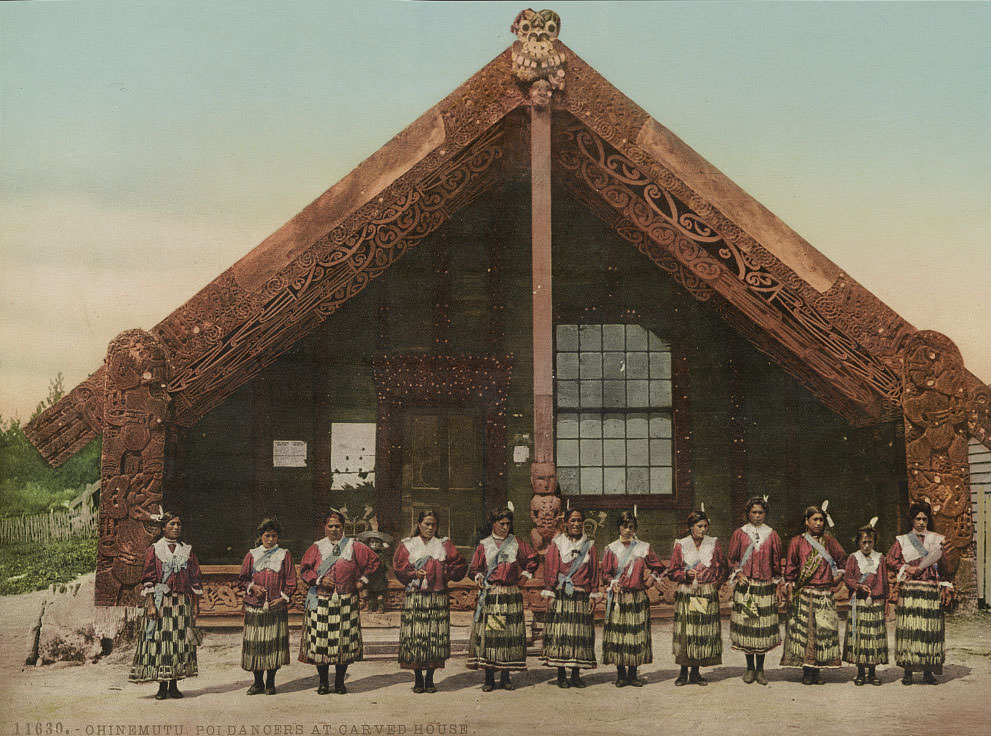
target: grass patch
<point>27,566</point>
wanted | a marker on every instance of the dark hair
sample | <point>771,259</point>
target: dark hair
<point>925,508</point>
<point>695,517</point>
<point>755,501</point>
<point>167,516</point>
<point>811,511</point>
<point>866,529</point>
<point>270,524</point>
<point>627,517</point>
<point>503,512</point>
<point>339,514</point>
<point>569,512</point>
<point>420,517</point>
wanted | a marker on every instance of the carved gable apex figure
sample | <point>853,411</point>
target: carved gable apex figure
<point>535,54</point>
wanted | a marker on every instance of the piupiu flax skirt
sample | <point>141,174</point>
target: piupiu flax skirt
<point>626,633</point>
<point>697,640</point>
<point>754,634</point>
<point>569,638</point>
<point>266,638</point>
<point>165,655</point>
<point>812,637</point>
<point>425,631</point>
<point>332,631</point>
<point>498,640</point>
<point>866,642</point>
<point>920,633</point>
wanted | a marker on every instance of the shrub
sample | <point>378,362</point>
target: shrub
<point>28,566</point>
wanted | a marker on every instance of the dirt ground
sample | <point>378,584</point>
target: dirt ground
<point>96,700</point>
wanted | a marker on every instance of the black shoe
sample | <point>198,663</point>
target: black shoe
<point>620,682</point>
<point>340,689</point>
<point>577,681</point>
<point>430,689</point>
<point>929,678</point>
<point>270,690</point>
<point>563,683</point>
<point>859,680</point>
<point>907,678</point>
<point>488,687</point>
<point>507,684</point>
<point>418,688</point>
<point>636,681</point>
<point>680,681</point>
<point>697,680</point>
<point>749,676</point>
<point>874,680</point>
<point>808,677</point>
<point>324,689</point>
<point>256,689</point>
<point>163,692</point>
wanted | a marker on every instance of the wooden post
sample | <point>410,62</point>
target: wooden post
<point>543,356</point>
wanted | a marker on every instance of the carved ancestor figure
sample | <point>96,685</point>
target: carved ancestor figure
<point>535,55</point>
<point>545,506</point>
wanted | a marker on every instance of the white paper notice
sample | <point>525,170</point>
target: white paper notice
<point>521,454</point>
<point>288,454</point>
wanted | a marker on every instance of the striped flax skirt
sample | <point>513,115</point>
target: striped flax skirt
<point>754,634</point>
<point>812,637</point>
<point>266,638</point>
<point>697,640</point>
<point>866,643</point>
<point>165,654</point>
<point>425,631</point>
<point>920,635</point>
<point>569,639</point>
<point>626,633</point>
<point>332,631</point>
<point>498,640</point>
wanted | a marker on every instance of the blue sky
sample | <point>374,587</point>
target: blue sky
<point>145,146</point>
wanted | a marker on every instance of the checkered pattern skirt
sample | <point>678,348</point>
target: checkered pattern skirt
<point>498,640</point>
<point>697,640</point>
<point>920,634</point>
<point>867,643</point>
<point>626,633</point>
<point>266,638</point>
<point>332,631</point>
<point>569,638</point>
<point>425,631</point>
<point>812,637</point>
<point>166,655</point>
<point>749,633</point>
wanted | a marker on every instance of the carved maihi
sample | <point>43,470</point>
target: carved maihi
<point>537,60</point>
<point>135,421</point>
<point>936,412</point>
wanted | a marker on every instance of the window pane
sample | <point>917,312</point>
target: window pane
<point>660,365</point>
<point>352,453</point>
<point>567,480</point>
<point>567,365</point>
<point>614,425</point>
<point>614,366</point>
<point>567,425</point>
<point>657,343</point>
<point>567,337</point>
<point>636,452</point>
<point>567,452</point>
<point>637,480</point>
<point>590,337</point>
<point>636,365</point>
<point>613,337</point>
<point>591,480</point>
<point>636,425</point>
<point>567,393</point>
<point>660,393</point>
<point>591,365</point>
<point>661,480</point>
<point>614,480</point>
<point>614,452</point>
<point>660,452</point>
<point>660,425</point>
<point>614,394</point>
<point>591,425</point>
<point>591,452</point>
<point>636,337</point>
<point>591,394</point>
<point>636,393</point>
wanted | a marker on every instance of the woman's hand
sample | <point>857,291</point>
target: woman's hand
<point>326,586</point>
<point>150,608</point>
<point>196,606</point>
<point>421,574</point>
<point>592,602</point>
<point>912,570</point>
<point>693,573</point>
<point>255,589</point>
<point>741,579</point>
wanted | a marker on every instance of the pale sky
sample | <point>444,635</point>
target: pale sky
<point>146,146</point>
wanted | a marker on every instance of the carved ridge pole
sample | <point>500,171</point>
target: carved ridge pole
<point>936,409</point>
<point>538,65</point>
<point>136,421</point>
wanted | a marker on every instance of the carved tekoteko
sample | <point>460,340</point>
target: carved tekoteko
<point>135,422</point>
<point>536,55</point>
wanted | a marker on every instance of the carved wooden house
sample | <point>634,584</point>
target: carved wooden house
<point>534,270</point>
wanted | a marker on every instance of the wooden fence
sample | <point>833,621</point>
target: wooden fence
<point>79,522</point>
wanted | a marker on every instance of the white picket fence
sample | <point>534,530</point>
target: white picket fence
<point>79,522</point>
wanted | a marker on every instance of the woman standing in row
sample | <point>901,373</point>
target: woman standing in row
<point>755,561</point>
<point>699,567</point>
<point>498,634</point>
<point>426,564</point>
<point>571,581</point>
<point>866,576</point>
<point>268,579</point>
<point>336,568</point>
<point>626,639</point>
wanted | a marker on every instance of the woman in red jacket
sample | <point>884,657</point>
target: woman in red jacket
<point>866,575</point>
<point>425,564</point>
<point>268,579</point>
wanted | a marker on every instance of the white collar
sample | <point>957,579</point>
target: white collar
<point>326,548</point>
<point>180,556</point>
<point>492,548</point>
<point>701,554</point>
<point>568,547</point>
<point>417,548</point>
<point>640,548</point>
<point>868,564</point>
<point>932,542</point>
<point>272,562</point>
<point>763,533</point>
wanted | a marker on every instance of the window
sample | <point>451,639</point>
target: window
<point>352,454</point>
<point>613,410</point>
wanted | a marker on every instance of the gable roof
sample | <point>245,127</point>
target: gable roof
<point>717,241</point>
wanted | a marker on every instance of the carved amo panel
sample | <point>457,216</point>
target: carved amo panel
<point>135,420</point>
